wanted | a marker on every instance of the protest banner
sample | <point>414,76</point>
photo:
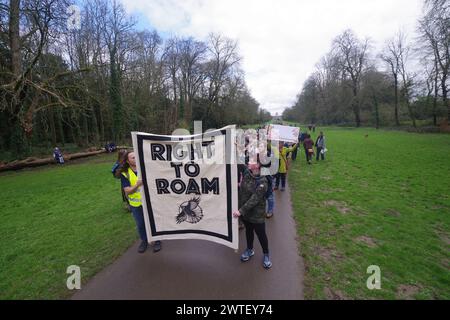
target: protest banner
<point>189,185</point>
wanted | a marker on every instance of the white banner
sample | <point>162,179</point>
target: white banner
<point>283,133</point>
<point>189,186</point>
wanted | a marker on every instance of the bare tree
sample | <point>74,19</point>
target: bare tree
<point>116,26</point>
<point>376,89</point>
<point>435,32</point>
<point>191,63</point>
<point>14,38</point>
<point>432,85</point>
<point>353,56</point>
<point>406,76</point>
<point>391,56</point>
<point>224,58</point>
<point>328,77</point>
<point>171,63</point>
<point>33,25</point>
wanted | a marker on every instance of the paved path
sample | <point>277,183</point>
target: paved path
<point>197,269</point>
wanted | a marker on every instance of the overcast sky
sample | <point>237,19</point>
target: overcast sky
<point>280,41</point>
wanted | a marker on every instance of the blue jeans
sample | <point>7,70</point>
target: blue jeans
<point>270,203</point>
<point>294,154</point>
<point>138,215</point>
<point>319,153</point>
<point>282,177</point>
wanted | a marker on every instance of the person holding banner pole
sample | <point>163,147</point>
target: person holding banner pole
<point>252,203</point>
<point>294,152</point>
<point>283,168</point>
<point>266,171</point>
<point>131,185</point>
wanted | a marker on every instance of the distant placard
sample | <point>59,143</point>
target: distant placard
<point>283,133</point>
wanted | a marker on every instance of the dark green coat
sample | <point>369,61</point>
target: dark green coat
<point>252,200</point>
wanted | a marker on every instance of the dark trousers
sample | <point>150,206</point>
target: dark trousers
<point>319,153</point>
<point>260,230</point>
<point>124,196</point>
<point>308,155</point>
<point>282,177</point>
<point>138,215</point>
<point>294,154</point>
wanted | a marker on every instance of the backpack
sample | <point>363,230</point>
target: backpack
<point>114,169</point>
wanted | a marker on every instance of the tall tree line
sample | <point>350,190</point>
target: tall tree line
<point>407,81</point>
<point>97,81</point>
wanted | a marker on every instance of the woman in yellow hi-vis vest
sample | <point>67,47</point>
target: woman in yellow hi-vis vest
<point>282,153</point>
<point>131,185</point>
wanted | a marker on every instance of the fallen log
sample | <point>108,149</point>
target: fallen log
<point>83,154</point>
<point>33,162</point>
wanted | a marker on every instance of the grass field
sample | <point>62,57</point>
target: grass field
<point>379,200</point>
<point>54,217</point>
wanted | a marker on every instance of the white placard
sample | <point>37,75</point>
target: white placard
<point>283,133</point>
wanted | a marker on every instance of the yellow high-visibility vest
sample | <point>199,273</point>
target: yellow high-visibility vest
<point>134,199</point>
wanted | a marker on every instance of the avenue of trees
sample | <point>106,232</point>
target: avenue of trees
<point>407,82</point>
<point>94,79</point>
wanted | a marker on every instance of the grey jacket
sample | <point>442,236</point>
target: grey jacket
<point>320,143</point>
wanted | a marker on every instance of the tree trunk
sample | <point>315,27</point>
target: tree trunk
<point>72,134</point>
<point>95,133</point>
<point>397,122</point>
<point>435,98</point>
<point>445,95</point>
<point>14,37</point>
<point>76,133</point>
<point>116,98</point>
<point>175,100</point>
<point>411,114</point>
<point>181,108</point>
<point>377,113</point>
<point>51,121</point>
<point>32,162</point>
<point>59,123</point>
<point>357,118</point>
<point>355,106</point>
<point>85,130</point>
<point>189,110</point>
<point>19,143</point>
<point>101,123</point>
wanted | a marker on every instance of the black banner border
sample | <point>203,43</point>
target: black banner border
<point>154,233</point>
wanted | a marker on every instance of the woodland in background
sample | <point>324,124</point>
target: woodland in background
<point>63,83</point>
<point>405,84</point>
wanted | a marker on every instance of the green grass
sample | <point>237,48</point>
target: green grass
<point>391,188</point>
<point>55,217</point>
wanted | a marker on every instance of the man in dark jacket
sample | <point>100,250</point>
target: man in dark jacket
<point>252,208</point>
